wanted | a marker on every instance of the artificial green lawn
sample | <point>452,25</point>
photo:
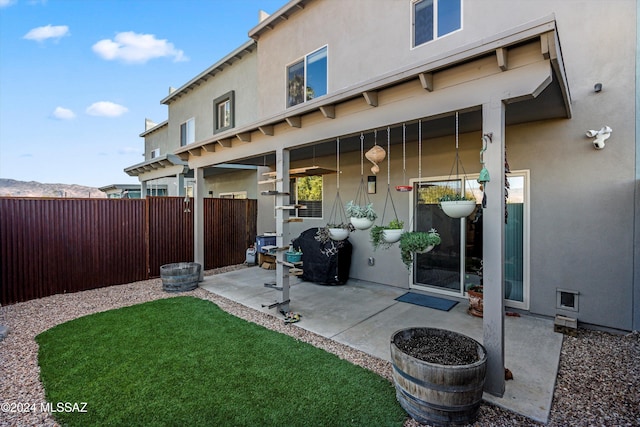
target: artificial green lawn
<point>185,362</point>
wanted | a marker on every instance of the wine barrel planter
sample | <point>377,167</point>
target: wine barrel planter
<point>435,393</point>
<point>180,276</point>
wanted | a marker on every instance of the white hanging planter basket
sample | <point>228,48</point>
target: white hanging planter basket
<point>458,208</point>
<point>427,249</point>
<point>338,234</point>
<point>361,223</point>
<point>391,235</point>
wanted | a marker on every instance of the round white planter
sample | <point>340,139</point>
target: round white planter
<point>361,223</point>
<point>338,234</point>
<point>428,249</point>
<point>458,208</point>
<point>391,236</point>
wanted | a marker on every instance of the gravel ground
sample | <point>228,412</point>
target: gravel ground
<point>598,381</point>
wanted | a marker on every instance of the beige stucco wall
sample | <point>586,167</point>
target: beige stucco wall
<point>157,139</point>
<point>198,104</point>
<point>582,200</point>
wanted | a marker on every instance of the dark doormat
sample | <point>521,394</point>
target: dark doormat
<point>427,301</point>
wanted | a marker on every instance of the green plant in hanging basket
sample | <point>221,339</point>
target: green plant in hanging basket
<point>356,211</point>
<point>378,234</point>
<point>417,241</point>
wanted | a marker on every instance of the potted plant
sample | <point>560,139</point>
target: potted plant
<point>385,236</point>
<point>476,300</point>
<point>417,241</point>
<point>361,217</point>
<point>340,231</point>
<point>457,205</point>
<point>438,374</point>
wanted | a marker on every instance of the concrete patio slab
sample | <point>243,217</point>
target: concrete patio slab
<point>364,315</point>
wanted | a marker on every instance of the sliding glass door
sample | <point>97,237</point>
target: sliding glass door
<point>456,264</point>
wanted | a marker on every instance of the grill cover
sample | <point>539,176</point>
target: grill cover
<point>324,263</point>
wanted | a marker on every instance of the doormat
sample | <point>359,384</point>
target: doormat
<point>427,301</point>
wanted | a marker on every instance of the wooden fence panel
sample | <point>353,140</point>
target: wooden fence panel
<point>230,228</point>
<point>170,232</point>
<point>50,246</point>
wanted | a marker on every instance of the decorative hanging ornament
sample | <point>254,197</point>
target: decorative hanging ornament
<point>375,155</point>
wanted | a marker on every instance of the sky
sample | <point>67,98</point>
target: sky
<point>79,77</point>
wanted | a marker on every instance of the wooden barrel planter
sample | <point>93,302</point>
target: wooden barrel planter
<point>180,277</point>
<point>442,385</point>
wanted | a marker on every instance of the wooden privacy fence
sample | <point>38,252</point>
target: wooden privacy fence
<point>51,246</point>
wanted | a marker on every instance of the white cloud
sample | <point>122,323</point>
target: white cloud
<point>106,109</point>
<point>62,113</point>
<point>136,48</point>
<point>6,3</point>
<point>40,34</point>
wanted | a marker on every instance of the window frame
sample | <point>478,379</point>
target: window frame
<point>227,97</point>
<point>305,65</point>
<point>188,136</point>
<point>435,23</point>
<point>155,153</point>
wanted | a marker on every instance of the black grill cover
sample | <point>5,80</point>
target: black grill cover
<point>324,263</point>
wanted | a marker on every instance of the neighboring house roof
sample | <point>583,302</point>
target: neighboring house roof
<point>119,187</point>
<point>216,68</point>
<point>154,128</point>
<point>161,162</point>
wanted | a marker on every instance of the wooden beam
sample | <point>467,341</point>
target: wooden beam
<point>501,54</point>
<point>328,111</point>
<point>225,143</point>
<point>209,148</point>
<point>195,151</point>
<point>371,97</point>
<point>266,130</point>
<point>244,137</point>
<point>426,80</point>
<point>294,121</point>
<point>544,45</point>
<point>184,156</point>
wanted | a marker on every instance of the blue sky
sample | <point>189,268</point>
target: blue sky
<point>79,77</point>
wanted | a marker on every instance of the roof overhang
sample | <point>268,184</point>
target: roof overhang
<point>159,167</point>
<point>210,72</point>
<point>278,16</point>
<point>551,99</point>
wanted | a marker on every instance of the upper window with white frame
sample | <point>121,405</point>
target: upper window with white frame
<point>187,132</point>
<point>307,78</point>
<point>433,19</point>
<point>223,110</point>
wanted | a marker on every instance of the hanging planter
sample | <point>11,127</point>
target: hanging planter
<point>385,236</point>
<point>457,208</point>
<point>361,217</point>
<point>417,242</point>
<point>338,233</point>
<point>458,204</point>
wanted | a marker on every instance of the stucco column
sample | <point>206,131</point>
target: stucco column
<point>493,247</point>
<point>198,218</point>
<point>143,189</point>
<point>180,182</point>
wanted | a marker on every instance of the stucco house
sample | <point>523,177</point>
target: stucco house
<point>518,83</point>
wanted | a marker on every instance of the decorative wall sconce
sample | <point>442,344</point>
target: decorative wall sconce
<point>600,136</point>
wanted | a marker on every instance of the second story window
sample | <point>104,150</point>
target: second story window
<point>307,78</point>
<point>435,18</point>
<point>155,153</point>
<point>223,110</point>
<point>187,132</point>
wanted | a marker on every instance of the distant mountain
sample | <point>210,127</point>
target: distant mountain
<point>13,188</point>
